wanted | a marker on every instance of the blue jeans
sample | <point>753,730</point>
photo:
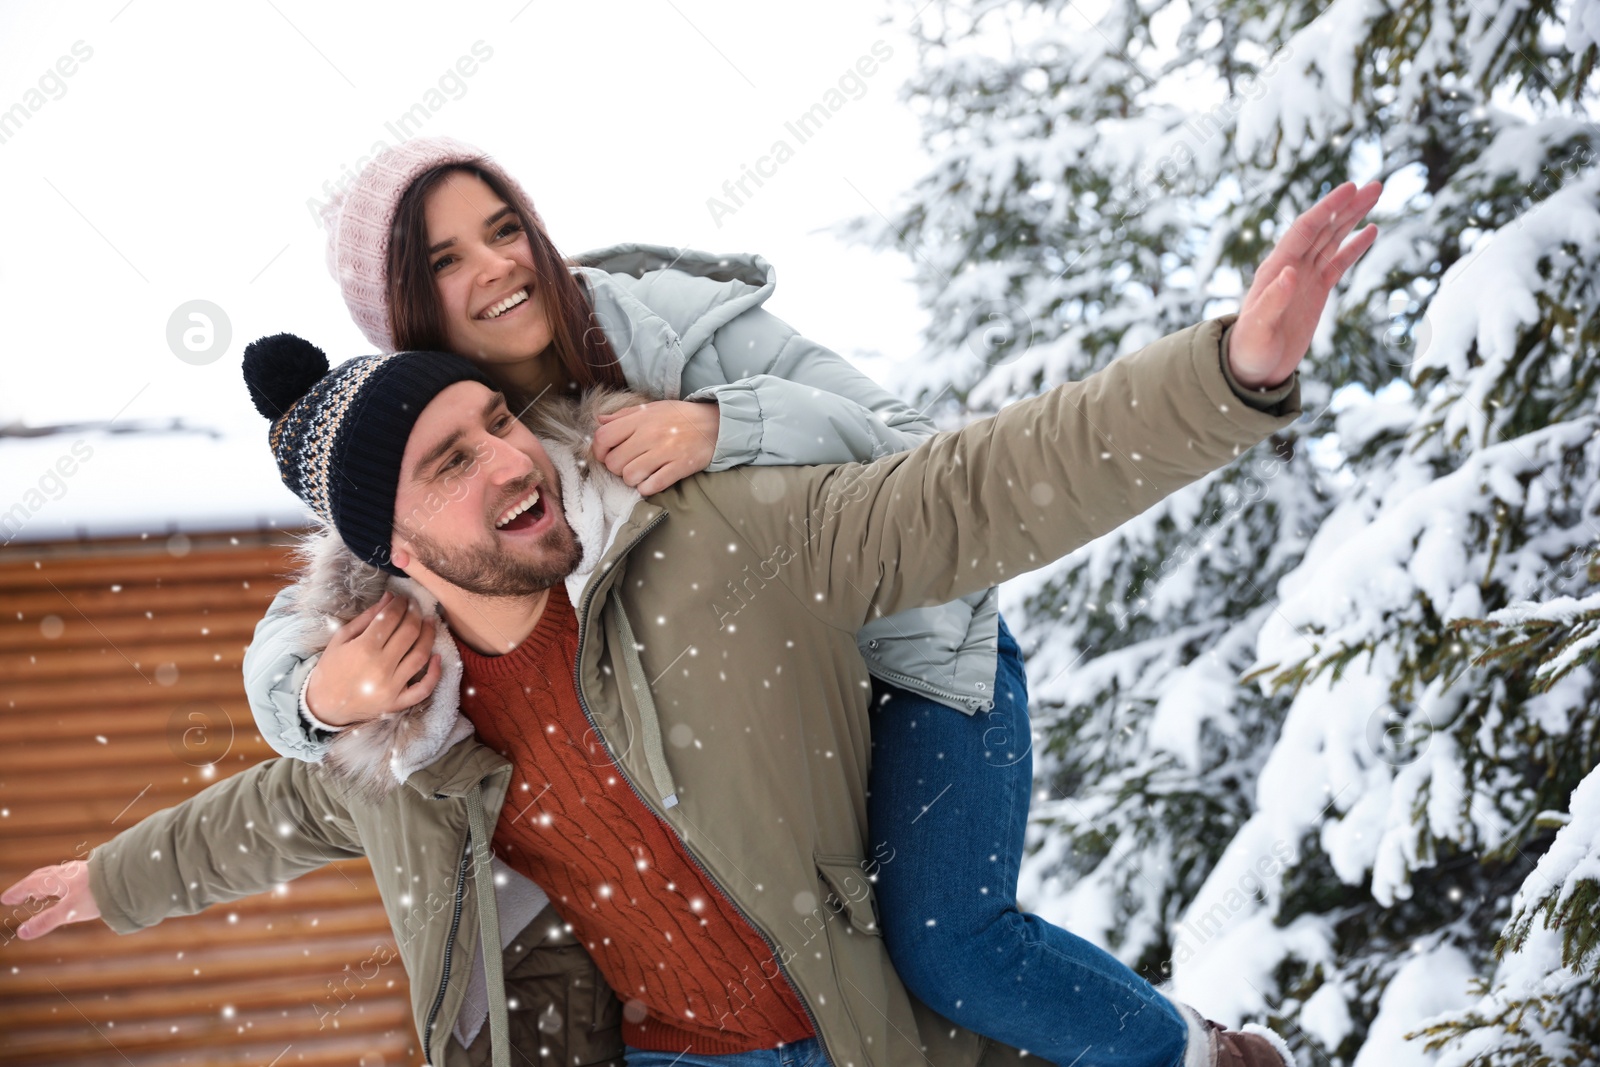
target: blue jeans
<point>807,1053</point>
<point>949,795</point>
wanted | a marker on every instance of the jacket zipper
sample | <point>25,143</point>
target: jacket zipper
<point>449,943</point>
<point>577,685</point>
<point>918,685</point>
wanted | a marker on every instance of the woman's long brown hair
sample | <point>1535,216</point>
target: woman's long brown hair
<point>416,321</point>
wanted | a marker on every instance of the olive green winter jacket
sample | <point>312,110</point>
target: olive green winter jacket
<point>718,663</point>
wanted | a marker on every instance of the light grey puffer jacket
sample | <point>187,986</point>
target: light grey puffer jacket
<point>689,325</point>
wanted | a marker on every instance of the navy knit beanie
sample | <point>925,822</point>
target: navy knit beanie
<point>339,435</point>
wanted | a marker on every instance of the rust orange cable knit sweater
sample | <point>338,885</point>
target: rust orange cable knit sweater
<point>693,974</point>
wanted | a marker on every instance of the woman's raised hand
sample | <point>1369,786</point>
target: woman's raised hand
<point>1281,310</point>
<point>651,446</point>
<point>370,666</point>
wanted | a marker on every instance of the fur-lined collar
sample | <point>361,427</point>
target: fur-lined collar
<point>334,585</point>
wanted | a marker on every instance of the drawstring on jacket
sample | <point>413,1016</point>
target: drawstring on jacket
<point>655,755</point>
<point>489,931</point>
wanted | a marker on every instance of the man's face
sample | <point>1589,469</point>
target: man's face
<point>479,502</point>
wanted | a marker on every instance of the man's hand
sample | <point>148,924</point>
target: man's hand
<point>653,445</point>
<point>1280,312</point>
<point>370,667</point>
<point>68,883</point>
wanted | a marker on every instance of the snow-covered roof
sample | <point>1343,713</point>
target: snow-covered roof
<point>82,482</point>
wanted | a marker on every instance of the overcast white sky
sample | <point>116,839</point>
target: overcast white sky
<point>175,163</point>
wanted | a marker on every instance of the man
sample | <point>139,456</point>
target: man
<point>694,805</point>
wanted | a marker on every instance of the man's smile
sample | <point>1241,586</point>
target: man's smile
<point>528,515</point>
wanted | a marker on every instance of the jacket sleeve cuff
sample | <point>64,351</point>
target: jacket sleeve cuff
<point>305,707</point>
<point>739,425</point>
<point>111,910</point>
<point>1210,368</point>
<point>1262,399</point>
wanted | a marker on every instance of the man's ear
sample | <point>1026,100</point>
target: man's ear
<point>399,552</point>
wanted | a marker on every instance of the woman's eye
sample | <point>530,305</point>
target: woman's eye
<point>442,262</point>
<point>508,229</point>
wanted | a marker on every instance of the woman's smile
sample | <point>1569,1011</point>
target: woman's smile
<point>501,308</point>
<point>482,268</point>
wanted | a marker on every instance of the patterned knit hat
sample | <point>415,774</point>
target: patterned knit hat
<point>360,219</point>
<point>339,435</point>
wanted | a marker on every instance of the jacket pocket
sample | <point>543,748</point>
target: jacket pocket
<point>861,968</point>
<point>848,893</point>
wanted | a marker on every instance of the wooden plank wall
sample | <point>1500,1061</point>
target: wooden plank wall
<point>120,695</point>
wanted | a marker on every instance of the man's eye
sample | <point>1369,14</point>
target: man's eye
<point>502,423</point>
<point>451,464</point>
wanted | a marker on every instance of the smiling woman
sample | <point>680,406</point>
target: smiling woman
<point>483,220</point>
<point>481,262</point>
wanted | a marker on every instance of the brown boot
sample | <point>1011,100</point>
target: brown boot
<point>1214,1045</point>
<point>1254,1046</point>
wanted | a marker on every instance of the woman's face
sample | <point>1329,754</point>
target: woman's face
<point>482,266</point>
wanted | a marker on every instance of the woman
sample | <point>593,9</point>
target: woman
<point>436,248</point>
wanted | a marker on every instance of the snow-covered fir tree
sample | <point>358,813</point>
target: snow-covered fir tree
<point>1316,737</point>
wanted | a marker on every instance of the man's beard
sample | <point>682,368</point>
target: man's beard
<point>490,570</point>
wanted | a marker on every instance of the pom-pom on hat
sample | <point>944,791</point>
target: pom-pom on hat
<point>339,435</point>
<point>360,219</point>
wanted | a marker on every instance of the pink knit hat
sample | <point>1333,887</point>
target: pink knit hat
<point>360,219</point>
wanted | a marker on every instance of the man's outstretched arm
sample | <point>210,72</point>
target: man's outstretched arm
<point>1047,475</point>
<point>246,834</point>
